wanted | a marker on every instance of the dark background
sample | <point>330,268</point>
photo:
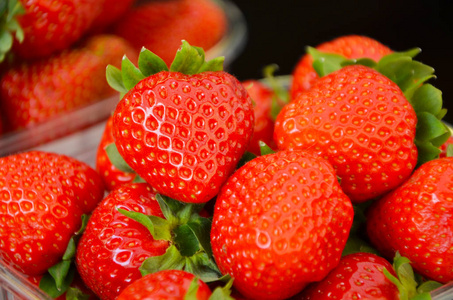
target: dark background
<point>279,31</point>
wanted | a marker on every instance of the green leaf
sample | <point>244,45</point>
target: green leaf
<point>223,293</point>
<point>428,286</point>
<point>54,290</point>
<point>115,79</point>
<point>116,159</point>
<point>449,150</point>
<point>59,272</point>
<point>170,260</point>
<point>215,65</point>
<point>159,228</point>
<point>265,149</point>
<point>191,293</point>
<point>395,55</point>
<point>426,152</point>
<point>281,94</point>
<point>169,207</point>
<point>355,244</point>
<point>76,294</point>
<point>188,59</point>
<point>325,63</point>
<point>202,266</point>
<point>201,228</point>
<point>130,74</point>
<point>427,98</point>
<point>368,62</point>
<point>429,127</point>
<point>6,41</point>
<point>185,240</point>
<point>149,63</point>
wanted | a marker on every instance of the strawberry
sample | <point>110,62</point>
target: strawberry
<point>167,284</point>
<point>350,46</point>
<point>110,174</point>
<point>52,26</point>
<point>415,220</point>
<point>161,25</point>
<point>35,92</point>
<point>446,147</point>
<point>361,122</point>
<point>111,12</point>
<point>184,130</point>
<point>43,198</point>
<point>134,232</point>
<point>262,97</point>
<point>280,222</point>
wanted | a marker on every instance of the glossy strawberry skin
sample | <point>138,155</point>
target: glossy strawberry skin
<point>161,25</point>
<point>42,198</point>
<point>361,122</point>
<point>280,222</point>
<point>350,46</point>
<point>111,175</point>
<point>167,284</point>
<point>52,26</point>
<point>184,134</point>
<point>415,220</point>
<point>113,246</point>
<point>357,276</point>
<point>262,97</point>
<point>35,92</point>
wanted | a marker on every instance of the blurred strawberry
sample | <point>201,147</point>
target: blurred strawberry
<point>35,92</point>
<point>50,26</point>
<point>350,46</point>
<point>112,11</point>
<point>161,25</point>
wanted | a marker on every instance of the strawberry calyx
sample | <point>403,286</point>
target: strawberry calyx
<point>188,60</point>
<point>410,286</point>
<point>219,293</point>
<point>188,234</point>
<point>9,27</point>
<point>411,76</point>
<point>59,277</point>
<point>280,93</point>
<point>118,161</point>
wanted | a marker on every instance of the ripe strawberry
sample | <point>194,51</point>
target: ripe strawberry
<point>111,175</point>
<point>350,46</point>
<point>130,234</point>
<point>361,122</point>
<point>415,220</point>
<point>113,246</point>
<point>167,284</point>
<point>35,92</point>
<point>52,26</point>
<point>357,276</point>
<point>183,131</point>
<point>161,25</point>
<point>43,197</point>
<point>262,97</point>
<point>280,222</point>
<point>111,12</point>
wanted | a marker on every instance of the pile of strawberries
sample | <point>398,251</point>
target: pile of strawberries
<point>54,53</point>
<point>341,188</point>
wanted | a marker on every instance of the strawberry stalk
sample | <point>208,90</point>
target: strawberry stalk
<point>411,76</point>
<point>188,234</point>
<point>408,286</point>
<point>9,27</point>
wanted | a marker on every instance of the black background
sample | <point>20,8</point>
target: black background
<point>279,31</point>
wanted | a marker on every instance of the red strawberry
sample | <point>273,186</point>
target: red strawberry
<point>415,220</point>
<point>52,26</point>
<point>167,284</point>
<point>262,97</point>
<point>161,25</point>
<point>280,222</point>
<point>43,197</point>
<point>111,12</point>
<point>35,92</point>
<point>350,46</point>
<point>361,122</point>
<point>183,133</point>
<point>111,175</point>
<point>113,246</point>
<point>357,276</point>
<point>444,147</point>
